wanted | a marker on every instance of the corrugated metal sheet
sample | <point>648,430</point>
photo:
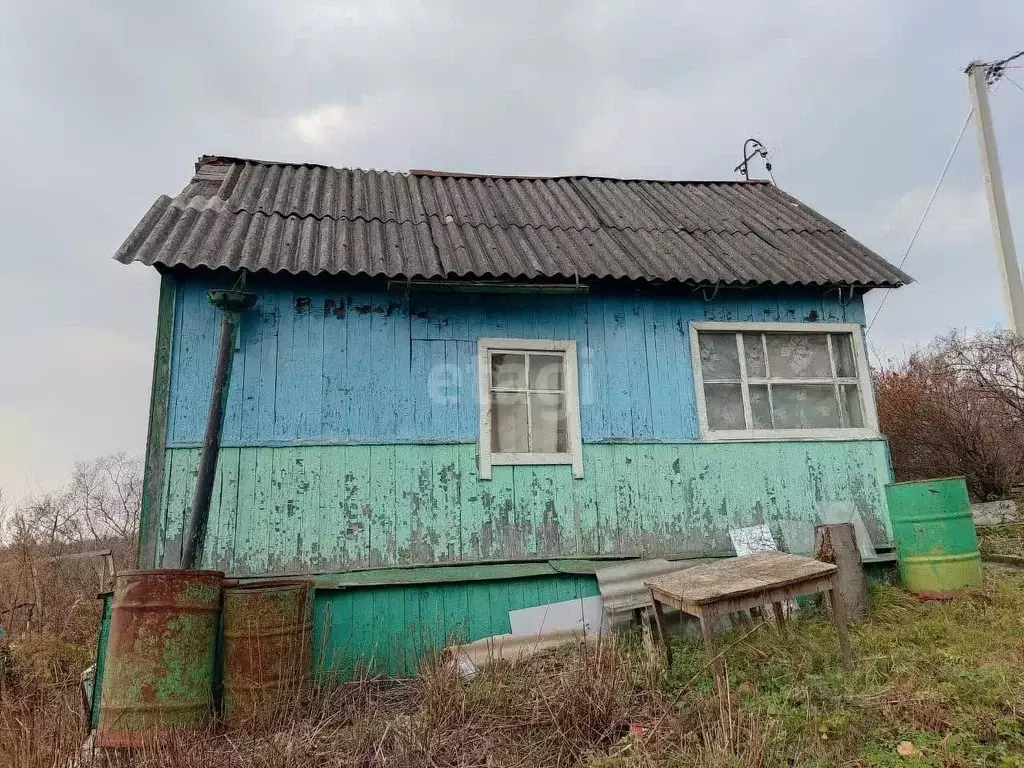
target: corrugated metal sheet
<point>622,585</point>
<point>312,219</point>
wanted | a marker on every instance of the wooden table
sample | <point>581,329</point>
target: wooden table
<point>742,583</point>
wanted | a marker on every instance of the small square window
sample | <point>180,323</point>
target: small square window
<point>529,404</point>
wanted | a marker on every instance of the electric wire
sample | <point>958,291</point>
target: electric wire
<point>927,208</point>
<point>1007,60</point>
<point>1014,83</point>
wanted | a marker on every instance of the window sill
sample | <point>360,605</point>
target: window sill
<point>534,460</point>
<point>531,458</point>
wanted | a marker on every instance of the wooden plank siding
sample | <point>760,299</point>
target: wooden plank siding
<point>390,629</point>
<point>337,507</point>
<point>320,366</point>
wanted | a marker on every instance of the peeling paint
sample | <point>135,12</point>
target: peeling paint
<point>335,308</point>
<point>310,377</point>
<point>389,505</point>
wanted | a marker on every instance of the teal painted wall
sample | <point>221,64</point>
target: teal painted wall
<point>388,629</point>
<point>333,508</point>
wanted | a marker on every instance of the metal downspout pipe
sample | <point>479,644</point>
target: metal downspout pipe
<point>232,304</point>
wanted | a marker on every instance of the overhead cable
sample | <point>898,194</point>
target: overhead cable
<point>927,208</point>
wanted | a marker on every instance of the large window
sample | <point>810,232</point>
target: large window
<point>770,380</point>
<point>529,404</point>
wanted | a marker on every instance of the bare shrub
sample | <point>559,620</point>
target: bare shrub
<point>51,573</point>
<point>957,408</point>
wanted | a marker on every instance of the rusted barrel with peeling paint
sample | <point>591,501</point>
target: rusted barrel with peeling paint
<point>268,633</point>
<point>160,658</point>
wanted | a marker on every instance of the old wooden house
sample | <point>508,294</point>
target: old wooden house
<point>459,395</point>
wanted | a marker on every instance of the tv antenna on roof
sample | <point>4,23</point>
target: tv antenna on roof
<point>753,148</point>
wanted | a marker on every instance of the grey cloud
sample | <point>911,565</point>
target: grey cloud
<point>108,103</point>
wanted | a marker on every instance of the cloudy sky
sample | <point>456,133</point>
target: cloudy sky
<point>108,104</point>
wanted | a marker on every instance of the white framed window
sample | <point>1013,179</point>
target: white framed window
<point>782,381</point>
<point>529,403</point>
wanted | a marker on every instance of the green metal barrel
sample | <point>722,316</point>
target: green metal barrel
<point>935,537</point>
<point>158,672</point>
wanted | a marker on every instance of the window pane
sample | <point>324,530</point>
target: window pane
<point>508,422</point>
<point>508,370</point>
<point>849,399</point>
<point>724,405</point>
<point>842,348</point>
<point>719,357</point>
<point>760,406</point>
<point>798,355</point>
<point>546,372</point>
<point>548,424</point>
<point>804,406</point>
<point>753,352</point>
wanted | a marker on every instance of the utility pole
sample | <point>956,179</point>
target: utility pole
<point>1013,291</point>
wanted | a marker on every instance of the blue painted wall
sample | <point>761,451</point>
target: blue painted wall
<point>317,363</point>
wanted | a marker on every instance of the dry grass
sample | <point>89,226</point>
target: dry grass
<point>1002,540</point>
<point>948,677</point>
<point>582,705</point>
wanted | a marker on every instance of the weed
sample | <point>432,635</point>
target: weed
<point>947,679</point>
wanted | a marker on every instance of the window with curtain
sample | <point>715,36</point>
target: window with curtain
<point>529,403</point>
<point>770,380</point>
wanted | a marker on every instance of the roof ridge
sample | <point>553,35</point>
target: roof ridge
<point>431,173</point>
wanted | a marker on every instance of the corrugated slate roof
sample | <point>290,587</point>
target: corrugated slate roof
<point>280,217</point>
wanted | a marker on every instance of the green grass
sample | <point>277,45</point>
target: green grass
<point>948,677</point>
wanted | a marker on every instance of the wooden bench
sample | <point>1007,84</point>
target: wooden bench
<point>739,584</point>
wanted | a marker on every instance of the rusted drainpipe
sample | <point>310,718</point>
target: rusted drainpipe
<point>232,304</point>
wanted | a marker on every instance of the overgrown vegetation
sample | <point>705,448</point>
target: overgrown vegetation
<point>49,546</point>
<point>957,408</point>
<point>49,577</point>
<point>944,680</point>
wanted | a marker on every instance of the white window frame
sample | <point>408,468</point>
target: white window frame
<point>488,458</point>
<point>867,397</point>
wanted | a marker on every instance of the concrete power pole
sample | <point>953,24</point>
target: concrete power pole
<point>1013,291</point>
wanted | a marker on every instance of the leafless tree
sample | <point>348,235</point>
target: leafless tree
<point>101,503</point>
<point>991,368</point>
<point>49,542</point>
<point>106,495</point>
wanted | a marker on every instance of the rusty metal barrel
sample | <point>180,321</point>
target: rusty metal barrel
<point>160,659</point>
<point>268,633</point>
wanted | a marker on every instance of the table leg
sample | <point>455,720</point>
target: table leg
<point>659,621</point>
<point>842,629</point>
<point>651,641</point>
<point>721,682</point>
<point>780,616</point>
